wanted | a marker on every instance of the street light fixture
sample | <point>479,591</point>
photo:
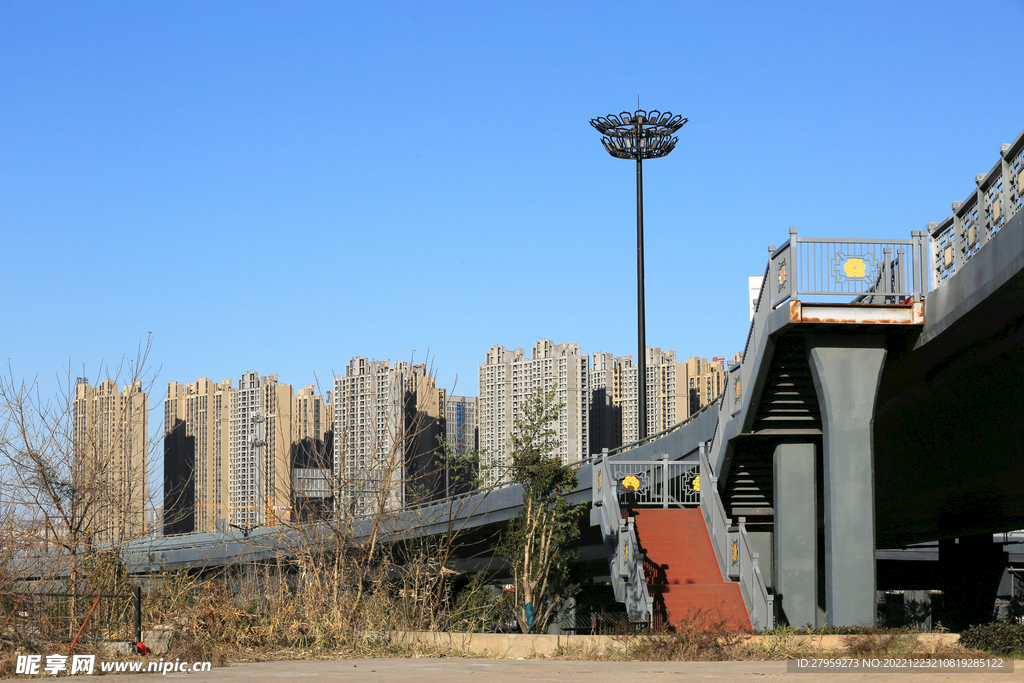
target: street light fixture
<point>640,135</point>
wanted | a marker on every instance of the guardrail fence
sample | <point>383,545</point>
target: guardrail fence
<point>736,559</point>
<point>999,195</point>
<point>64,617</point>
<point>869,271</point>
<point>659,483</point>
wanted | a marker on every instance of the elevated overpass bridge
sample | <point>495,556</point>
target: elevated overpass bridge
<point>878,404</point>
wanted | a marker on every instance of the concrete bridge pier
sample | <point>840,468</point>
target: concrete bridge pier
<point>847,371</point>
<point>796,533</point>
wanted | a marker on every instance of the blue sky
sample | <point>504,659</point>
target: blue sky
<point>281,186</point>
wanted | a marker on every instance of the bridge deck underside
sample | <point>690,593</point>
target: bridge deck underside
<point>949,429</point>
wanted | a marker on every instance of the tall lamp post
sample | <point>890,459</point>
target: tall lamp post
<point>640,135</point>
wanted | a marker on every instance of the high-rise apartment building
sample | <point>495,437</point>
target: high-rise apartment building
<point>259,448</point>
<point>311,416</point>
<point>460,424</point>
<point>196,456</point>
<point>387,422</point>
<point>703,382</point>
<point>179,465</point>
<point>461,433</point>
<point>110,437</point>
<point>233,455</point>
<point>508,379</point>
<point>312,454</point>
<point>606,400</point>
<point>494,410</point>
<point>425,409</point>
<point>661,395</point>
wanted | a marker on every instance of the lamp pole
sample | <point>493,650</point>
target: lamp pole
<point>641,311</point>
<point>640,135</point>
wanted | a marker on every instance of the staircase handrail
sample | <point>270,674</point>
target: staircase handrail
<point>760,603</point>
<point>633,561</point>
<point>714,512</point>
<point>625,560</point>
<point>736,560</point>
<point>739,377</point>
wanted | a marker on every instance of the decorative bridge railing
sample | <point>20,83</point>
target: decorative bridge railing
<point>832,271</point>
<point>869,271</point>
<point>622,546</point>
<point>660,483</point>
<point>999,195</point>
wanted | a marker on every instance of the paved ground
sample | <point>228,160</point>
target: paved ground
<point>534,671</point>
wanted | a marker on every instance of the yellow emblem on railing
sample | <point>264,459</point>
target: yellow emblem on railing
<point>855,267</point>
<point>696,483</point>
<point>630,483</point>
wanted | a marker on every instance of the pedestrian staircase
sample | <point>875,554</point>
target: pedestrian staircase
<point>674,558</point>
<point>683,574</point>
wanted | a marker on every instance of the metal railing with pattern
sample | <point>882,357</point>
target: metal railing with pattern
<point>661,483</point>
<point>997,197</point>
<point>871,271</point>
<point>625,559</point>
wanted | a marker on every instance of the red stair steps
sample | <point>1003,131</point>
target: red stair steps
<point>683,575</point>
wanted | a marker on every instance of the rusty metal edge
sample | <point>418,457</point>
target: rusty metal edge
<point>906,314</point>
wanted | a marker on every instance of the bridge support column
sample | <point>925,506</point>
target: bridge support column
<point>796,533</point>
<point>846,372</point>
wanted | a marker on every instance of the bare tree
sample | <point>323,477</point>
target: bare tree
<point>74,469</point>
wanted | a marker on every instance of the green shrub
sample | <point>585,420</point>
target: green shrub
<point>997,638</point>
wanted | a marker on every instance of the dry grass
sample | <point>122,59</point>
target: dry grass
<point>376,646</point>
<point>10,647</point>
<point>785,643</point>
<point>703,636</point>
<point>257,611</point>
<point>737,647</point>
